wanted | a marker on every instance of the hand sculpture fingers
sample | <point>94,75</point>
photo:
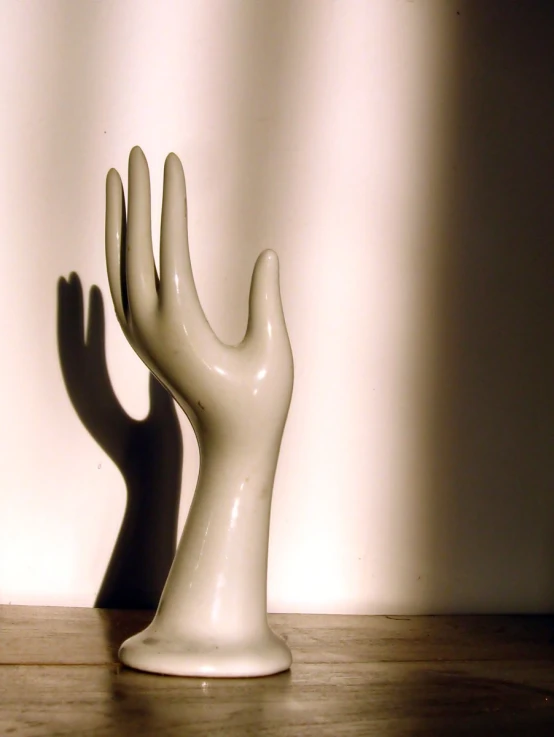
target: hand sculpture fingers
<point>140,265</point>
<point>116,260</point>
<point>131,267</point>
<point>265,316</point>
<point>177,289</point>
<point>116,246</point>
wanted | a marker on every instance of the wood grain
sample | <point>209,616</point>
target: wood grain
<point>392,677</point>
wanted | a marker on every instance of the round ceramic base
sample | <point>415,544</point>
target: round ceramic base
<point>177,656</point>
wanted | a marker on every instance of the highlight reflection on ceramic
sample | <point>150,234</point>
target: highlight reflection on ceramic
<point>212,617</point>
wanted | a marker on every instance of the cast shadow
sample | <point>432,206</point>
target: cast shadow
<point>148,453</point>
<point>490,445</point>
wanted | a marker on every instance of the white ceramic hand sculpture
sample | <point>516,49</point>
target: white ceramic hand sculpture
<point>212,616</point>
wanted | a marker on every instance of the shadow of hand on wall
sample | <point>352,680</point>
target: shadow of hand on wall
<point>148,453</point>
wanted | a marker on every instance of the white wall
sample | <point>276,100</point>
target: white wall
<point>398,156</point>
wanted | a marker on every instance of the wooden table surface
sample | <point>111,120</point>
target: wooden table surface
<point>386,676</point>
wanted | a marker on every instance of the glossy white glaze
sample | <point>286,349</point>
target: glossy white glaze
<point>212,617</point>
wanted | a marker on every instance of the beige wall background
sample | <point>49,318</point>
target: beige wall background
<point>398,156</point>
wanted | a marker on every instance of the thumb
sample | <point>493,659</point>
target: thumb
<point>265,308</point>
